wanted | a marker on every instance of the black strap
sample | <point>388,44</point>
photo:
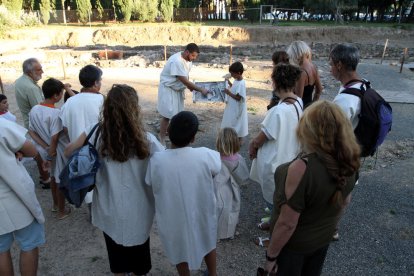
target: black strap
<point>354,91</point>
<point>90,134</point>
<point>296,100</point>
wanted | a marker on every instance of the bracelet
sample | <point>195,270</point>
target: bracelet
<point>270,259</point>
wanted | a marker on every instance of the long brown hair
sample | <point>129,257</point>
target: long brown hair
<point>326,130</point>
<point>122,131</point>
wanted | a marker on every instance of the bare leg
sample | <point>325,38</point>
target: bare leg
<point>6,265</point>
<point>163,129</point>
<point>183,269</point>
<point>28,262</point>
<point>55,191</point>
<point>44,175</point>
<point>210,260</point>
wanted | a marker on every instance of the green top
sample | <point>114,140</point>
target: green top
<point>28,94</point>
<point>318,218</point>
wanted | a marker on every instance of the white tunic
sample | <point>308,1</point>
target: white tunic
<point>235,112</point>
<point>79,112</point>
<point>171,89</point>
<point>123,206</point>
<point>233,173</point>
<point>185,204</point>
<point>9,116</point>
<point>18,202</point>
<point>350,104</point>
<point>282,145</point>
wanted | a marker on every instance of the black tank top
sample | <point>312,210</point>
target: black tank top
<point>307,92</point>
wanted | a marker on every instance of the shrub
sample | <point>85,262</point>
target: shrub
<point>83,10</point>
<point>166,9</point>
<point>145,10</point>
<point>30,19</point>
<point>123,9</point>
<point>45,11</point>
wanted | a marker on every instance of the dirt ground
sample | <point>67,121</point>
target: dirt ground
<point>75,247</point>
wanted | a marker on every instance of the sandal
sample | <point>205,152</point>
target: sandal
<point>67,213</point>
<point>265,226</point>
<point>262,242</point>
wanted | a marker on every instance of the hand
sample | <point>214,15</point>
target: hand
<point>204,91</point>
<point>271,267</point>
<point>46,165</point>
<point>252,150</point>
<point>19,155</point>
<point>67,86</point>
<point>51,152</point>
<point>227,91</point>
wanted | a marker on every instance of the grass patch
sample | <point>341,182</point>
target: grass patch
<point>252,110</point>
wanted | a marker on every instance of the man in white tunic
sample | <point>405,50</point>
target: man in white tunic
<point>185,204</point>
<point>83,109</point>
<point>173,82</point>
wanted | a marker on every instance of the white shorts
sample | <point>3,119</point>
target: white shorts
<point>170,101</point>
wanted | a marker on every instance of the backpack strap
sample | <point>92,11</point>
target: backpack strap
<point>90,135</point>
<point>296,100</point>
<point>354,91</point>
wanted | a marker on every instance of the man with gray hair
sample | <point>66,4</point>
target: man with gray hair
<point>343,61</point>
<point>28,92</point>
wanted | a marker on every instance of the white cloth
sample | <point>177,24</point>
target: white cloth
<point>235,112</point>
<point>46,123</point>
<point>123,206</point>
<point>228,195</point>
<point>350,104</point>
<point>282,145</point>
<point>185,203</point>
<point>18,202</point>
<point>8,116</point>
<point>79,112</point>
<point>171,89</point>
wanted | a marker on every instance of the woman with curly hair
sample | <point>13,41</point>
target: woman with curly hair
<point>123,205</point>
<point>312,191</point>
<point>276,143</point>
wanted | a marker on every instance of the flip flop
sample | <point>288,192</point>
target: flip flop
<point>67,214</point>
<point>265,226</point>
<point>262,242</point>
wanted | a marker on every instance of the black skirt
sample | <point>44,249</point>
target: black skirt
<point>125,259</point>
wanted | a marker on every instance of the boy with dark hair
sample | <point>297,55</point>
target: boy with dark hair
<point>184,195</point>
<point>45,128</point>
<point>89,75</point>
<point>4,109</point>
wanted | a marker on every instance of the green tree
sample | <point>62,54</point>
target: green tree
<point>13,6</point>
<point>83,10</point>
<point>45,11</point>
<point>123,9</point>
<point>145,10</point>
<point>166,9</point>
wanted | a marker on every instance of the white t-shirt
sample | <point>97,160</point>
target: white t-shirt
<point>8,116</point>
<point>350,104</point>
<point>185,204</point>
<point>235,112</point>
<point>79,112</point>
<point>123,206</point>
<point>282,145</point>
<point>175,66</point>
<point>19,205</point>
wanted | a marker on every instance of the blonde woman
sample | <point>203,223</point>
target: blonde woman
<point>301,55</point>
<point>311,191</point>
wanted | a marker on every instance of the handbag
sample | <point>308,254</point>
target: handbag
<point>78,176</point>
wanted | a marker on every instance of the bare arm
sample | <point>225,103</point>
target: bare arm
<point>288,218</point>
<point>237,97</point>
<point>256,143</point>
<point>28,149</point>
<point>300,84</point>
<point>77,144</point>
<point>53,144</point>
<point>68,89</point>
<point>37,139</point>
<point>318,86</point>
<point>191,86</point>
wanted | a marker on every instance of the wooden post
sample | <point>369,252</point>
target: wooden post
<point>385,48</point>
<point>106,49</point>
<point>63,67</point>
<point>165,53</point>
<point>1,86</point>
<point>231,54</point>
<point>403,58</point>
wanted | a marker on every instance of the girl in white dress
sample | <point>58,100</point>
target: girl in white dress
<point>235,112</point>
<point>233,173</point>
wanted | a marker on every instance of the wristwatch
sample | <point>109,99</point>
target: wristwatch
<point>270,259</point>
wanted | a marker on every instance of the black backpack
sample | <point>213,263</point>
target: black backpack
<point>375,118</point>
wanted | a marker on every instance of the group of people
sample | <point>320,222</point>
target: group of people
<point>305,160</point>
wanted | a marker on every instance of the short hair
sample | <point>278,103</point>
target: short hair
<point>192,47</point>
<point>227,142</point>
<point>183,128</point>
<point>236,67</point>
<point>285,76</point>
<point>280,57</point>
<point>28,65</point>
<point>2,97</point>
<point>52,87</point>
<point>297,51</point>
<point>347,54</point>
<point>89,74</point>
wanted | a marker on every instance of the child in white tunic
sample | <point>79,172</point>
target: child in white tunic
<point>235,112</point>
<point>234,172</point>
<point>45,128</point>
<point>185,204</point>
<point>4,109</point>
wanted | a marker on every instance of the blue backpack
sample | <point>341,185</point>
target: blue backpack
<point>375,119</point>
<point>78,176</point>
